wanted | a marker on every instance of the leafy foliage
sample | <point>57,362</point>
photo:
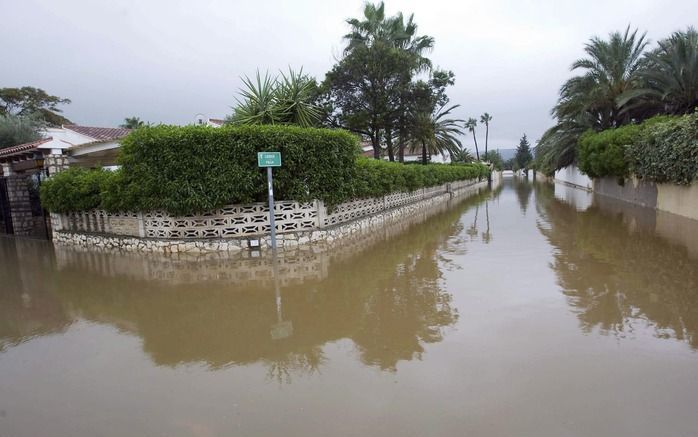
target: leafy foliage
<point>274,100</point>
<point>16,129</point>
<point>75,189</point>
<point>523,155</point>
<point>377,177</point>
<point>494,158</point>
<point>133,123</point>
<point>667,150</point>
<point>194,169</point>
<point>30,101</point>
<point>602,153</point>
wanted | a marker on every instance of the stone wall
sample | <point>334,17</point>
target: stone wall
<point>20,205</point>
<point>234,228</point>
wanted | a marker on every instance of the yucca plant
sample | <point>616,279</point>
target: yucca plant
<point>274,100</point>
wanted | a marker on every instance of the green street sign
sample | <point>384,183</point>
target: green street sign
<point>269,159</point>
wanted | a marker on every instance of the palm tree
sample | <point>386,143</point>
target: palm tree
<point>670,77</point>
<point>612,67</point>
<point>437,134</point>
<point>599,98</point>
<point>462,155</point>
<point>471,125</point>
<point>374,28</point>
<point>485,119</point>
<point>132,123</point>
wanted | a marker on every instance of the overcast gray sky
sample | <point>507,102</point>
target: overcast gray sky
<point>167,60</point>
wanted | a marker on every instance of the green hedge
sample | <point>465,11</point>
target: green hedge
<point>376,178</point>
<point>195,169</point>
<point>667,151</point>
<point>75,189</point>
<point>186,170</point>
<point>601,154</point>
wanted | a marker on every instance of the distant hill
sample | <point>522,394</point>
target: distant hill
<point>507,153</point>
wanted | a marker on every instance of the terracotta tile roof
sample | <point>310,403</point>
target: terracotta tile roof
<point>23,147</point>
<point>216,121</point>
<point>100,133</point>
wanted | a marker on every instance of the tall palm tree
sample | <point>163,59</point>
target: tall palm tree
<point>485,119</point>
<point>612,67</point>
<point>471,125</point>
<point>435,133</point>
<point>374,28</point>
<point>599,98</point>
<point>670,77</point>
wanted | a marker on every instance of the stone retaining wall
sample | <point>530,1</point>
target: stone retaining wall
<point>234,228</point>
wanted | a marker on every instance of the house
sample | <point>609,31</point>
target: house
<point>202,120</point>
<point>24,166</point>
<point>410,155</point>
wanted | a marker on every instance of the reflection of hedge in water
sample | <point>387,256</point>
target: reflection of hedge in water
<point>387,300</point>
<point>615,277</point>
<point>28,306</point>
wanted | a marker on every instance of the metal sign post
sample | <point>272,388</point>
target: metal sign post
<point>269,160</point>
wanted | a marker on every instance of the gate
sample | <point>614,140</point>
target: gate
<point>5,215</point>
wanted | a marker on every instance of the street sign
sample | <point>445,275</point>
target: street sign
<point>269,159</point>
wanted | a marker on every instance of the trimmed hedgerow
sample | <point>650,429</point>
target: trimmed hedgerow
<point>75,189</point>
<point>186,170</point>
<point>667,151</point>
<point>194,169</point>
<point>376,178</point>
<point>601,154</point>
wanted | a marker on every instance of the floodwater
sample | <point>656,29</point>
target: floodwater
<point>530,310</point>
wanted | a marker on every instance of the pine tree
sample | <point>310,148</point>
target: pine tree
<point>523,155</point>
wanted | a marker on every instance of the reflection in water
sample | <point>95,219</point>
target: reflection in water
<point>455,323</point>
<point>617,272</point>
<point>233,312</point>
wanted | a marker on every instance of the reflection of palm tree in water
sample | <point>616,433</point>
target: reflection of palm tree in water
<point>487,235</point>
<point>472,230</point>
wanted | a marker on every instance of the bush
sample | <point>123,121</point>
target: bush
<point>667,151</point>
<point>376,178</point>
<point>605,153</point>
<point>187,170</point>
<point>75,189</point>
<point>601,154</point>
<point>194,169</point>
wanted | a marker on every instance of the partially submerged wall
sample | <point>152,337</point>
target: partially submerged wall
<point>676,199</point>
<point>239,227</point>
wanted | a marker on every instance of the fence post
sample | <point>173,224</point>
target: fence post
<point>141,225</point>
<point>321,213</point>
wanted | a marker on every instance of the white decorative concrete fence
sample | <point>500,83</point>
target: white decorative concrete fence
<point>236,221</point>
<point>234,227</point>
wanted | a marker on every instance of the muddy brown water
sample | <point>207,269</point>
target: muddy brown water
<point>530,310</point>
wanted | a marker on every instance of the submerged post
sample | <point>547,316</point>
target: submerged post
<point>269,160</point>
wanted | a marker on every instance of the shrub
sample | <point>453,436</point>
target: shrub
<point>667,150</point>
<point>194,169</point>
<point>75,189</point>
<point>376,178</point>
<point>601,154</point>
<point>187,170</point>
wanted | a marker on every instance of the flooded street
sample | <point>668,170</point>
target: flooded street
<point>531,310</point>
